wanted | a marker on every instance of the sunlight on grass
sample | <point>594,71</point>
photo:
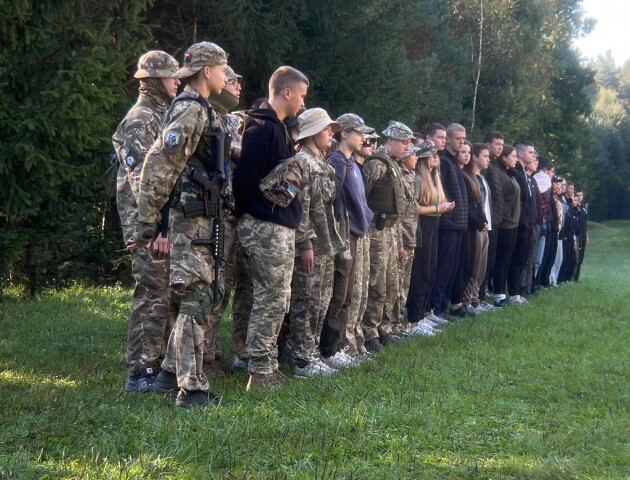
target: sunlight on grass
<point>32,378</point>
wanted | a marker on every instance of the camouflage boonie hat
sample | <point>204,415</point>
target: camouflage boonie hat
<point>398,131</point>
<point>425,149</point>
<point>350,121</point>
<point>199,55</point>
<point>156,64</point>
<point>230,74</point>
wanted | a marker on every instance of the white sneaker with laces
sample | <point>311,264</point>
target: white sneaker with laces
<point>339,360</point>
<point>517,300</point>
<point>313,369</point>
<point>422,330</point>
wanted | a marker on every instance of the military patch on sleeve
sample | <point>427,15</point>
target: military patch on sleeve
<point>171,139</point>
<point>130,161</point>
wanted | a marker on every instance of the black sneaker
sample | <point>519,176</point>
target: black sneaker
<point>166,384</point>
<point>373,345</point>
<point>142,383</point>
<point>391,339</point>
<point>458,313</point>
<point>197,398</point>
<point>501,303</point>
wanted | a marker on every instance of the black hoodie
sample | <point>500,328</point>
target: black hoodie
<point>266,143</point>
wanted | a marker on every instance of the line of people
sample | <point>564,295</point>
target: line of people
<point>375,244</point>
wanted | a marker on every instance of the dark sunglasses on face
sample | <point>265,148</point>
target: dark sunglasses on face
<point>369,142</point>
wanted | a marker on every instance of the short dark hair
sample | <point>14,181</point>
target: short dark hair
<point>493,135</point>
<point>285,77</point>
<point>431,128</point>
<point>522,144</point>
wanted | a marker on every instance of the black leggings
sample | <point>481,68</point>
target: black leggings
<point>423,269</point>
<point>506,239</point>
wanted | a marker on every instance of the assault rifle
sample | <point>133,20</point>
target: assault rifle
<point>216,199</point>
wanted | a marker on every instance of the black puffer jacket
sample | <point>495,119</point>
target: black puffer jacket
<point>496,192</point>
<point>454,186</point>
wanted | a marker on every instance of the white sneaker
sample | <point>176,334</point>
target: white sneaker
<point>436,319</point>
<point>339,360</point>
<point>517,300</point>
<point>313,369</point>
<point>422,330</point>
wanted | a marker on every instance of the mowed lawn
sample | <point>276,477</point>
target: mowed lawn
<point>540,391</point>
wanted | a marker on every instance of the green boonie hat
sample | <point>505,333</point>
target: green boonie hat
<point>426,149</point>
<point>350,121</point>
<point>230,74</point>
<point>199,55</point>
<point>156,64</point>
<point>398,131</point>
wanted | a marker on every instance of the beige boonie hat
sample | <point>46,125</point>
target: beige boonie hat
<point>156,64</point>
<point>313,121</point>
<point>199,55</point>
<point>398,131</point>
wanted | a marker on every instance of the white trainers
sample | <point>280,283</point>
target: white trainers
<point>313,369</point>
<point>517,300</point>
<point>436,319</point>
<point>339,360</point>
<point>421,329</point>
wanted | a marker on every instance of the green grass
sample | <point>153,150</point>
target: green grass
<point>533,392</point>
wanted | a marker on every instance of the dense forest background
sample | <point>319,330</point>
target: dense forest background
<point>66,81</point>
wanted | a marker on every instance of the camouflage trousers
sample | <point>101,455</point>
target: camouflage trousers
<point>310,296</point>
<point>153,312</point>
<point>354,333</point>
<point>383,287</point>
<point>211,349</point>
<point>404,279</point>
<point>269,251</point>
<point>241,303</point>
<point>192,278</point>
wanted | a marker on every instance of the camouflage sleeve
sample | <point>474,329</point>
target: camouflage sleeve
<point>167,158</point>
<point>374,170</point>
<point>305,233</point>
<point>132,139</point>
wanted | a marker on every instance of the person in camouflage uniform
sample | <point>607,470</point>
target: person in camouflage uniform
<point>222,103</point>
<point>316,242</point>
<point>183,151</point>
<point>386,198</point>
<point>352,207</point>
<point>152,305</point>
<point>266,231</point>
<point>355,342</point>
<point>407,224</point>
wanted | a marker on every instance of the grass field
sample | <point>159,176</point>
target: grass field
<point>533,392</point>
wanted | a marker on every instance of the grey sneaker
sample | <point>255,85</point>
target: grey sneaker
<point>313,369</point>
<point>196,398</point>
<point>239,363</point>
<point>436,319</point>
<point>517,300</point>
<point>421,330</point>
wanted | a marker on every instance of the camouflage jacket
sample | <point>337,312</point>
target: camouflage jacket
<point>408,221</point>
<point>318,228</point>
<point>171,158</point>
<point>132,140</point>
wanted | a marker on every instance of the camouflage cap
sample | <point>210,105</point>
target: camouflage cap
<point>398,131</point>
<point>412,150</point>
<point>199,55</point>
<point>350,121</point>
<point>230,74</point>
<point>372,134</point>
<point>426,148</point>
<point>156,64</point>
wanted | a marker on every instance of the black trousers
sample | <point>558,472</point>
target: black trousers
<point>549,256</point>
<point>423,270</point>
<point>582,247</point>
<point>506,239</point>
<point>518,260</point>
<point>449,242</point>
<point>465,266</point>
<point>569,260</point>
<point>492,255</point>
<point>334,329</point>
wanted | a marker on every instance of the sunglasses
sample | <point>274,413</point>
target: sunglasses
<point>368,142</point>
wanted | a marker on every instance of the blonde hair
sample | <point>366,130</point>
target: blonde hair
<point>430,191</point>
